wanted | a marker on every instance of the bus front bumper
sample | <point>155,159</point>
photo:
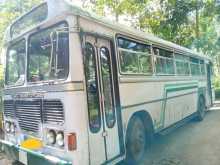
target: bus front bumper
<point>30,157</point>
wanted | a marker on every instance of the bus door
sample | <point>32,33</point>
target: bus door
<point>104,119</point>
<point>209,82</point>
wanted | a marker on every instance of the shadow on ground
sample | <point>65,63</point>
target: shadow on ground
<point>195,143</point>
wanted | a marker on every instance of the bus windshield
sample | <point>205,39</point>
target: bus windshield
<point>48,55</point>
<point>15,71</point>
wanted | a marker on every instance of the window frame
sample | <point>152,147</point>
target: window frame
<point>153,57</point>
<point>112,87</point>
<point>13,35</point>
<point>28,54</point>
<point>119,59</point>
<point>6,64</point>
<point>176,53</point>
<point>163,57</point>
<point>92,129</point>
<point>193,63</point>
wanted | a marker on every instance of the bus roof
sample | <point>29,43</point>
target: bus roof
<point>134,32</point>
<point>62,6</point>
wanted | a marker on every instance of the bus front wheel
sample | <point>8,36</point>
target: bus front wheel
<point>137,141</point>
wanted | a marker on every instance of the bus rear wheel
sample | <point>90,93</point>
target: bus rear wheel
<point>137,141</point>
<point>201,109</point>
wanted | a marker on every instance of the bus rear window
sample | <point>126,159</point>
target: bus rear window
<point>48,54</point>
<point>29,20</point>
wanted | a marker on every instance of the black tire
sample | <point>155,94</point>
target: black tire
<point>201,109</point>
<point>137,141</point>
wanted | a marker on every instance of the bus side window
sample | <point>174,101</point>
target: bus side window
<point>135,57</point>
<point>195,67</point>
<point>164,61</point>
<point>92,88</point>
<point>182,64</point>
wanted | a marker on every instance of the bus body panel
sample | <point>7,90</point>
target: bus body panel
<point>169,107</point>
<point>73,101</point>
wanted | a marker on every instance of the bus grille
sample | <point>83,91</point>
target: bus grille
<point>9,110</point>
<point>53,111</point>
<point>29,115</point>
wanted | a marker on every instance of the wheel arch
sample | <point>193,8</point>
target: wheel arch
<point>145,117</point>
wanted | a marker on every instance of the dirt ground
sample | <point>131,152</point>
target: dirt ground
<point>4,160</point>
<point>195,143</point>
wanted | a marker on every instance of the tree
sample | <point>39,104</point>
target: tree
<point>10,10</point>
<point>190,23</point>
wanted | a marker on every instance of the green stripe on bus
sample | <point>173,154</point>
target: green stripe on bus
<point>169,88</point>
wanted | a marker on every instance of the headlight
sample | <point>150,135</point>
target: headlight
<point>51,137</point>
<point>7,126</point>
<point>12,128</point>
<point>60,139</point>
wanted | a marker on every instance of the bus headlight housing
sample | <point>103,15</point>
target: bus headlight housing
<point>51,137</point>
<point>60,139</point>
<point>7,126</point>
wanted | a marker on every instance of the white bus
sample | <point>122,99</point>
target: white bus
<point>80,89</point>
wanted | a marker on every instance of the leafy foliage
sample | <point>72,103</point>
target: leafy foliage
<point>190,23</point>
<point>9,11</point>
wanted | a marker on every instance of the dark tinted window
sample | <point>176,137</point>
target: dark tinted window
<point>107,86</point>
<point>92,88</point>
<point>133,45</point>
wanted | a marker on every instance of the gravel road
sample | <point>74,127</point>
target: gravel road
<point>195,143</point>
